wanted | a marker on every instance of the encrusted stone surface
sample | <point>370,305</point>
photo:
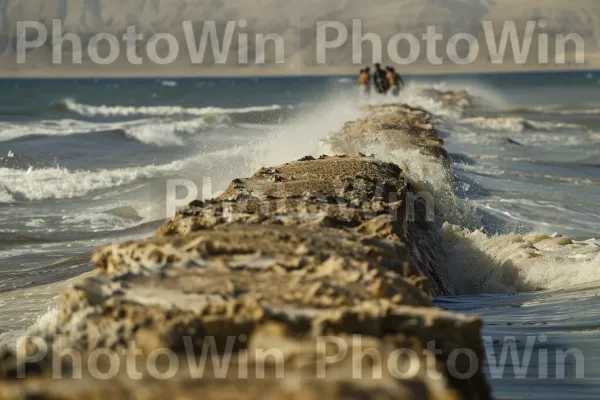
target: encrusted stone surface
<point>393,126</point>
<point>301,258</point>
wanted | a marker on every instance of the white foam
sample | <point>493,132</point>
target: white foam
<point>477,262</point>
<point>9,131</point>
<point>411,95</point>
<point>169,83</point>
<point>515,124</point>
<point>60,183</point>
<point>165,134</point>
<point>302,136</point>
<point>424,172</point>
<point>46,320</point>
<point>104,110</point>
<point>148,131</point>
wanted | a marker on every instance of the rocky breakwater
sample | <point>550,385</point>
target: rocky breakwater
<point>311,280</point>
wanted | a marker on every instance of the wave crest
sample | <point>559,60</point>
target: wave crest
<point>515,124</point>
<point>478,263</point>
<point>125,111</point>
<point>148,131</point>
<point>60,183</point>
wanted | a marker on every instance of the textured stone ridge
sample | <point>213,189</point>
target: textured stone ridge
<point>301,259</point>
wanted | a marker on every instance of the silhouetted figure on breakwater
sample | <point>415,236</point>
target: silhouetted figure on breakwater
<point>395,81</point>
<point>380,80</point>
<point>364,82</point>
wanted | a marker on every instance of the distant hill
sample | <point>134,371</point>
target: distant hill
<point>296,22</point>
<point>563,16</point>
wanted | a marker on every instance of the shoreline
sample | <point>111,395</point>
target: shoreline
<point>232,73</point>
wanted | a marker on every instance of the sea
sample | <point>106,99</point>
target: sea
<point>84,162</point>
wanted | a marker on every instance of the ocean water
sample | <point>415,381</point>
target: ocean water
<point>86,162</point>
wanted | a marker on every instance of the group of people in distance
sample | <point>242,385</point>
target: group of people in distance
<point>385,81</point>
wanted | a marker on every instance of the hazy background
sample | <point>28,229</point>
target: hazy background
<point>295,21</point>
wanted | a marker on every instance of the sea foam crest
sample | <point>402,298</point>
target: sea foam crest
<point>148,131</point>
<point>515,124</point>
<point>119,110</point>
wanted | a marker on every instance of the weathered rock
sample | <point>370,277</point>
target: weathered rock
<point>393,126</point>
<point>314,263</point>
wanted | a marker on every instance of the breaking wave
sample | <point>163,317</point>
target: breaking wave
<point>147,131</point>
<point>478,261</point>
<point>111,111</point>
<point>165,133</point>
<point>515,124</point>
<point>60,183</point>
